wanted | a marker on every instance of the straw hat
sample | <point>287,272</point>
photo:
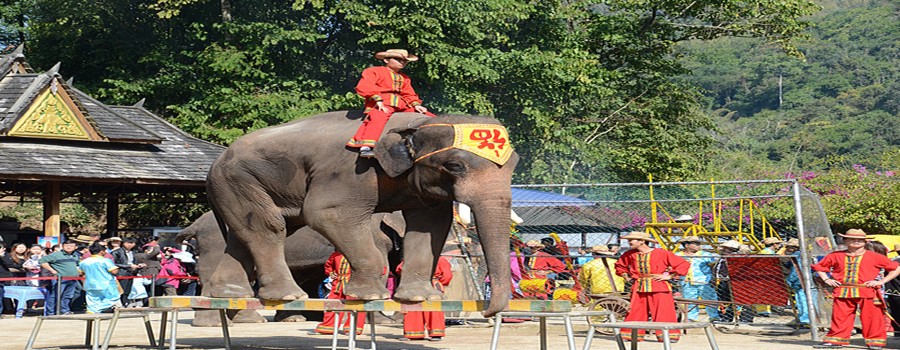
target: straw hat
<point>689,239</point>
<point>855,233</point>
<point>731,244</point>
<point>793,242</point>
<point>534,243</point>
<point>896,248</point>
<point>110,239</point>
<point>772,240</point>
<point>644,236</point>
<point>397,53</point>
<point>82,239</point>
<point>601,249</point>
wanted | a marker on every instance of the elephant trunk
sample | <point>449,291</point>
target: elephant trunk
<point>492,222</point>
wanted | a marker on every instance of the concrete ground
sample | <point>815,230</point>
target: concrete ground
<point>130,334</point>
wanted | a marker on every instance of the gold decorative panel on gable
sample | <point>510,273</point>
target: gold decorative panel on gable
<point>53,115</point>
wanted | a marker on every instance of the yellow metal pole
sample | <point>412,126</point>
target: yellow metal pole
<point>741,216</point>
<point>752,231</point>
<point>652,200</point>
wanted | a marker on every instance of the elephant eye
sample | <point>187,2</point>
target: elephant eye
<point>455,167</point>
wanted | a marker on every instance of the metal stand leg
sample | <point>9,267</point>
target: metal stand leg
<point>96,334</point>
<point>570,336</point>
<point>109,329</point>
<point>351,343</point>
<point>371,317</point>
<point>495,337</point>
<point>224,318</point>
<point>590,337</point>
<point>173,337</point>
<point>149,328</point>
<point>709,336</point>
<point>334,334</point>
<point>162,329</point>
<point>88,328</point>
<point>634,338</point>
<point>34,333</point>
<point>543,323</point>
<point>667,343</point>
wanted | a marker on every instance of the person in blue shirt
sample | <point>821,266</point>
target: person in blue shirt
<point>696,284</point>
<point>101,290</point>
<point>792,248</point>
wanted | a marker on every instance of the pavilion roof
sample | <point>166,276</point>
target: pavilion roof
<point>50,130</point>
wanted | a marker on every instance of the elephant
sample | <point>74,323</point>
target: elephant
<point>275,180</point>
<point>306,252</point>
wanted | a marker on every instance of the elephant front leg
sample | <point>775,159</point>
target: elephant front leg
<point>352,236</point>
<point>427,230</point>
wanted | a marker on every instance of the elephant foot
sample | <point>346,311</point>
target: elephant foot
<point>229,290</point>
<point>248,316</point>
<point>282,291</point>
<point>287,316</point>
<point>417,292</point>
<point>207,318</point>
<point>366,290</point>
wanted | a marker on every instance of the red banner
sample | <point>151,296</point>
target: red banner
<point>757,281</point>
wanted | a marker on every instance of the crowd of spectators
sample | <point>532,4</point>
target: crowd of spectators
<point>137,268</point>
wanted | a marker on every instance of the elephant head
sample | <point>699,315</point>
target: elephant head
<point>467,159</point>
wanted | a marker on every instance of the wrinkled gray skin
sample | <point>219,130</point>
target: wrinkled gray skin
<point>305,250</point>
<point>275,180</point>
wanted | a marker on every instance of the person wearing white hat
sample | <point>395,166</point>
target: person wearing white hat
<point>386,91</point>
<point>652,270</point>
<point>772,245</point>
<point>723,289</point>
<point>697,284</point>
<point>854,276</point>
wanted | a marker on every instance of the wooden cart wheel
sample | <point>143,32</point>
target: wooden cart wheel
<point>617,305</point>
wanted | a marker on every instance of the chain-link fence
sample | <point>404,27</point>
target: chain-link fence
<point>762,283</point>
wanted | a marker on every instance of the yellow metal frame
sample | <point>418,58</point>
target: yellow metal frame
<point>667,236</point>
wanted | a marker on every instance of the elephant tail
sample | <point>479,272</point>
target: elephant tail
<point>223,229</point>
<point>185,235</point>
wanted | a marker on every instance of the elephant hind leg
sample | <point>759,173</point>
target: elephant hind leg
<point>231,278</point>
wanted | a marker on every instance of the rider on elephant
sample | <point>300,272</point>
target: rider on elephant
<point>386,91</point>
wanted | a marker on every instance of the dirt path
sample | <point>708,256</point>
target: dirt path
<point>276,335</point>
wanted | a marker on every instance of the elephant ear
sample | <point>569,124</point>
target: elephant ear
<point>392,151</point>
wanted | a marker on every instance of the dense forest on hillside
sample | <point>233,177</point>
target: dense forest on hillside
<point>837,107</point>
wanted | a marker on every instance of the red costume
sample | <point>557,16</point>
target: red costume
<point>853,272</point>
<point>339,268</point>
<point>415,322</point>
<point>394,89</point>
<point>648,296</point>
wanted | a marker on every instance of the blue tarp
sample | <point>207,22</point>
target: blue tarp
<point>532,198</point>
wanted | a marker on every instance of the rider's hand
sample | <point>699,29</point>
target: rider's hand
<point>421,109</point>
<point>381,107</point>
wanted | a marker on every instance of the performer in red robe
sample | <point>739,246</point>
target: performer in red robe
<point>853,273</point>
<point>338,268</point>
<point>651,294</point>
<point>541,266</point>
<point>386,91</point>
<point>416,322</point>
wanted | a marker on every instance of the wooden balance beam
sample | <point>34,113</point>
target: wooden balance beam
<point>351,306</point>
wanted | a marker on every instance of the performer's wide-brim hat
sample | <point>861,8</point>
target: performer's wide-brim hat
<point>855,233</point>
<point>793,242</point>
<point>644,236</point>
<point>690,239</point>
<point>772,240</point>
<point>397,53</point>
<point>601,249</point>
<point>534,243</point>
<point>731,244</point>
